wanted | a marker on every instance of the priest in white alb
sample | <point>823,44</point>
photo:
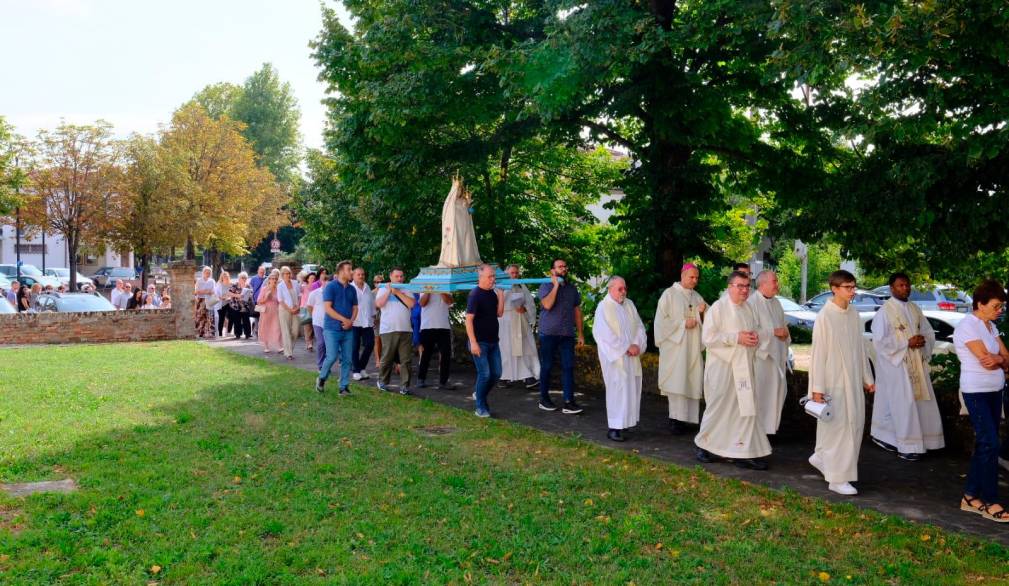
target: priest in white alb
<point>678,337</point>
<point>772,352</point>
<point>839,373</point>
<point>730,428</point>
<point>620,340</point>
<point>905,416</point>
<point>519,358</point>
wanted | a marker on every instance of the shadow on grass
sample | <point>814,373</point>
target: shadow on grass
<point>255,478</point>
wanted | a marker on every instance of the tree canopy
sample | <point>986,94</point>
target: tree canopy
<point>419,92</point>
<point>915,95</point>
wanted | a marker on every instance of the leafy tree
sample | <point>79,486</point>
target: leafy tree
<point>219,99</point>
<point>419,94</point>
<point>75,185</point>
<point>221,198</point>
<point>141,217</point>
<point>269,110</point>
<point>914,94</point>
<point>689,89</point>
<point>12,175</point>
<point>821,260</point>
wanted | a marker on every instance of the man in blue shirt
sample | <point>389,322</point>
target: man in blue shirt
<point>340,300</point>
<point>560,318</point>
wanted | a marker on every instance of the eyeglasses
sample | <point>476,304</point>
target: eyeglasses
<point>740,286</point>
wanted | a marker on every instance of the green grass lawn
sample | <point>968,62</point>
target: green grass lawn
<point>201,466</point>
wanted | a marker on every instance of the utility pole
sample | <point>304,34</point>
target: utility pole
<point>17,236</point>
<point>802,253</point>
<point>17,213</point>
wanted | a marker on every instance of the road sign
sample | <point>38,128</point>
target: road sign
<point>275,246</point>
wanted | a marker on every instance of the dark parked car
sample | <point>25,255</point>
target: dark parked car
<point>107,276</point>
<point>864,301</point>
<point>72,303</point>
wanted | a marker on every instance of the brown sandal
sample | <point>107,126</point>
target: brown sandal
<point>967,504</point>
<point>999,517</point>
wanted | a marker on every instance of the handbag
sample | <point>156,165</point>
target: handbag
<point>259,308</point>
<point>822,411</point>
<point>212,301</point>
<point>305,316</point>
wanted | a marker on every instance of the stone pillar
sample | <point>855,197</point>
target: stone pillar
<point>180,275</point>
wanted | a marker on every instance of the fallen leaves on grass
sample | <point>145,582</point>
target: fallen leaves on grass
<point>823,576</point>
<point>140,512</point>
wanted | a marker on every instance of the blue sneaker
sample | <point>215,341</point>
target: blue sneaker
<point>482,413</point>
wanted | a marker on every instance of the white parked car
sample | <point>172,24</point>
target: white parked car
<point>63,274</point>
<point>943,322</point>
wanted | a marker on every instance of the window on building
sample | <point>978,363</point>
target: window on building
<point>31,248</point>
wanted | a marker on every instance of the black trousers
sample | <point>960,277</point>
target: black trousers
<point>362,345</point>
<point>442,341</point>
<point>224,313</point>
<point>242,322</point>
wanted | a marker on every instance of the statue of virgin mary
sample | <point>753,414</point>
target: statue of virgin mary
<point>458,239</point>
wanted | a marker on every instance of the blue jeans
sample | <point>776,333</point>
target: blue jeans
<point>339,344</point>
<point>488,372</point>
<point>549,345</point>
<point>982,478</point>
<point>320,346</point>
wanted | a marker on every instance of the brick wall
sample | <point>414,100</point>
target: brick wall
<point>102,326</point>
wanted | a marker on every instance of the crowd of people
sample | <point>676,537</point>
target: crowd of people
<point>123,296</point>
<point>741,376</point>
<point>732,354</point>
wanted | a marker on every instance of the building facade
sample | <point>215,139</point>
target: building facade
<point>53,252</point>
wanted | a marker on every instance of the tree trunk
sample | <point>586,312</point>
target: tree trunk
<point>496,237</point>
<point>190,248</point>
<point>215,258</point>
<point>73,244</point>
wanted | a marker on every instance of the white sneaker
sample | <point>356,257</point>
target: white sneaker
<point>363,375</point>
<point>1003,463</point>
<point>816,462</point>
<point>844,488</point>
<point>356,376</point>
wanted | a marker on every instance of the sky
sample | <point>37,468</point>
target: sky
<point>133,63</point>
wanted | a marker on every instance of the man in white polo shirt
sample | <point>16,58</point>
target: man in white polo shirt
<point>396,332</point>
<point>435,336</point>
<point>364,332</point>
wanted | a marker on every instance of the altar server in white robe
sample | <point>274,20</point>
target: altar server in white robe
<point>678,337</point>
<point>839,370</point>
<point>772,351</point>
<point>519,357</point>
<point>905,416</point>
<point>730,428</point>
<point>620,340</point>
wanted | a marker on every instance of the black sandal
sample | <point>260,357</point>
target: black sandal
<point>967,504</point>
<point>999,517</point>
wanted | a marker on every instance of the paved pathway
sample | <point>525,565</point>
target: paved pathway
<point>926,491</point>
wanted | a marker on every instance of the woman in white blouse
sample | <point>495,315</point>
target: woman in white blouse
<point>203,315</point>
<point>983,365</point>
<point>222,311</point>
<point>289,297</point>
